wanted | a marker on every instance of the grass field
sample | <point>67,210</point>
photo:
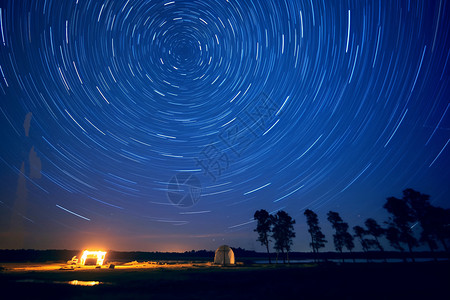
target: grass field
<point>203,281</point>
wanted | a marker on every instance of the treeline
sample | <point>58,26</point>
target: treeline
<point>31,255</point>
<point>413,209</point>
<point>246,256</point>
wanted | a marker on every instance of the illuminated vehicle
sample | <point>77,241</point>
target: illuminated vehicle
<point>89,258</point>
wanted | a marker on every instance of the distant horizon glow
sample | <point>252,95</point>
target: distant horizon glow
<point>164,125</point>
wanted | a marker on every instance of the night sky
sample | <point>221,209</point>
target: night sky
<point>164,125</point>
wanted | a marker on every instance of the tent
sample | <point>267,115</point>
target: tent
<point>224,256</point>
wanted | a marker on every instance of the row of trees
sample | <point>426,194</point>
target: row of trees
<point>413,209</point>
<point>280,227</point>
<point>368,237</point>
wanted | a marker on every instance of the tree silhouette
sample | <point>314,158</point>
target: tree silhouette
<point>360,233</point>
<point>402,219</point>
<point>263,228</point>
<point>433,220</point>
<point>418,202</point>
<point>436,226</point>
<point>375,230</point>
<point>393,236</point>
<point>348,242</point>
<point>341,238</point>
<point>283,232</point>
<point>335,220</point>
<point>426,237</point>
<point>317,237</point>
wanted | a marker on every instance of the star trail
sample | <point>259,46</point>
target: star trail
<point>164,125</point>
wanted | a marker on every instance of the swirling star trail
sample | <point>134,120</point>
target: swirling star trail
<point>164,125</point>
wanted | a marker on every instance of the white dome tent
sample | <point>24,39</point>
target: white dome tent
<point>224,256</point>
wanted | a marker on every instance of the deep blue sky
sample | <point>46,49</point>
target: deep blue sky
<point>327,105</point>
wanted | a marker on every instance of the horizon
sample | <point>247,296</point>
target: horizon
<point>208,250</point>
<point>165,125</point>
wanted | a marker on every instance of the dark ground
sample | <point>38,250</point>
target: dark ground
<point>348,281</point>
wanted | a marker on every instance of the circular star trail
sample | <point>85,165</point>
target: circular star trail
<point>287,105</point>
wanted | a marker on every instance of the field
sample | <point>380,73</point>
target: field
<point>187,280</point>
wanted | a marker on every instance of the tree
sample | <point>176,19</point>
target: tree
<point>348,242</point>
<point>436,226</point>
<point>375,230</point>
<point>433,220</point>
<point>341,238</point>
<point>360,233</point>
<point>263,228</point>
<point>335,220</point>
<point>418,202</point>
<point>402,219</point>
<point>393,236</point>
<point>427,238</point>
<point>317,237</point>
<point>283,232</point>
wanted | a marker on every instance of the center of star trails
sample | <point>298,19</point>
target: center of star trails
<point>184,51</point>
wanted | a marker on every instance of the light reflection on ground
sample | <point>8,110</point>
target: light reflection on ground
<point>83,283</point>
<point>72,282</point>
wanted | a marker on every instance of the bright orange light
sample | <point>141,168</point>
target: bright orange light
<point>83,283</point>
<point>98,255</point>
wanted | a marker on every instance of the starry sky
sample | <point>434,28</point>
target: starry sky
<point>164,125</point>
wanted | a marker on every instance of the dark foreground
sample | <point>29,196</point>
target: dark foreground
<point>348,281</point>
